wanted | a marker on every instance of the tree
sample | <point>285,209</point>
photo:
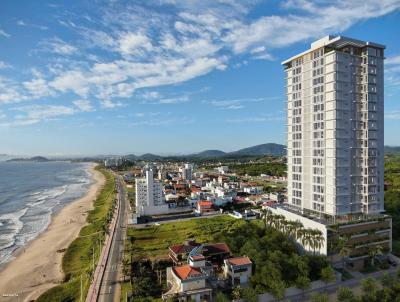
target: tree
<point>344,249</point>
<point>221,297</point>
<point>306,238</point>
<point>297,226</point>
<point>370,290</point>
<point>302,282</point>
<point>375,251</point>
<point>319,297</point>
<point>237,293</point>
<point>249,295</point>
<point>317,239</point>
<point>387,280</point>
<point>345,294</point>
<point>328,275</point>
<point>266,215</point>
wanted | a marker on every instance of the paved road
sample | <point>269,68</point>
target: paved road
<point>110,289</point>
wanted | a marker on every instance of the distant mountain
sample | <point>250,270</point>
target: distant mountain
<point>149,156</point>
<point>259,150</point>
<point>35,159</point>
<point>264,149</point>
<point>392,149</point>
<point>5,157</point>
<point>209,153</point>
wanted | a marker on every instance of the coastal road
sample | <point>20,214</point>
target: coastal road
<point>110,289</point>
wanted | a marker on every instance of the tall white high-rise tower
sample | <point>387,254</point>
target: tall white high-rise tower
<point>335,127</point>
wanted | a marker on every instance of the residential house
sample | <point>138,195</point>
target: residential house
<point>213,252</point>
<point>238,270</point>
<point>189,281</point>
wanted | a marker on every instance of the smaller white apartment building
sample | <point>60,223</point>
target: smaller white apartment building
<point>149,196</point>
<point>187,172</point>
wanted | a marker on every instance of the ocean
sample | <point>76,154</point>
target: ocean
<point>30,192</point>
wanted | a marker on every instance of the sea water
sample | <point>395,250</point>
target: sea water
<point>30,193</point>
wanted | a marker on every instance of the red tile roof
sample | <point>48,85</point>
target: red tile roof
<point>205,203</point>
<point>216,248</point>
<point>198,257</point>
<point>239,261</point>
<point>183,248</point>
<point>186,271</point>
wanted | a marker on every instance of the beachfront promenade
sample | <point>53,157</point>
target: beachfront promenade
<point>106,285</point>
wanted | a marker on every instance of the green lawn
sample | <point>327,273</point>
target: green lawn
<point>154,241</point>
<point>78,257</point>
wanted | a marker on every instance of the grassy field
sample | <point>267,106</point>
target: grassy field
<point>153,242</point>
<point>78,259</point>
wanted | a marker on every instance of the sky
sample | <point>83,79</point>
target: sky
<point>167,76</point>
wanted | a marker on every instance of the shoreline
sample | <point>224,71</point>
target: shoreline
<point>37,267</point>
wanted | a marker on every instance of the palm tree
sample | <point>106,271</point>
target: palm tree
<point>290,228</point>
<point>280,221</point>
<point>318,239</point>
<point>344,248</point>
<point>275,221</point>
<point>297,226</point>
<point>285,226</point>
<point>265,215</point>
<point>375,251</point>
<point>306,238</point>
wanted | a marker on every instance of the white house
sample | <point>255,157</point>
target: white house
<point>188,282</point>
<point>238,270</point>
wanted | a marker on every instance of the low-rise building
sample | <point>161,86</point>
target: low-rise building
<point>222,169</point>
<point>359,233</point>
<point>213,252</point>
<point>204,207</point>
<point>189,282</point>
<point>253,190</point>
<point>238,270</point>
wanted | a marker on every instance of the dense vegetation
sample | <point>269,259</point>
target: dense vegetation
<point>387,290</point>
<point>392,196</point>
<point>278,264</point>
<point>255,169</point>
<point>78,259</point>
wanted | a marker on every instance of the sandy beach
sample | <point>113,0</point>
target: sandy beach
<point>38,267</point>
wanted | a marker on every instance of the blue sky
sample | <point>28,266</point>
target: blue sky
<point>167,76</point>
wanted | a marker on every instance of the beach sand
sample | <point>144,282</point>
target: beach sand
<point>38,267</point>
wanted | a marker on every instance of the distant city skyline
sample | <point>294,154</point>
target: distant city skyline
<point>167,76</point>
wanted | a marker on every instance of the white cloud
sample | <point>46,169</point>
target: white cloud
<point>134,43</point>
<point>108,104</point>
<point>150,95</point>
<point>58,46</point>
<point>392,115</point>
<point>4,34</point>
<point>255,119</point>
<point>279,31</point>
<point>38,88</point>
<point>235,104</point>
<point>83,105</point>
<point>4,65</point>
<point>35,114</point>
<point>23,23</point>
<point>395,60</point>
<point>145,46</point>
<point>73,80</point>
<point>173,100</point>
